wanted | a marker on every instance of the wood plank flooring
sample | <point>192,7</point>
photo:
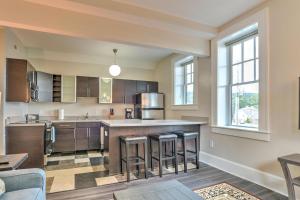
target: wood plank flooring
<point>194,179</point>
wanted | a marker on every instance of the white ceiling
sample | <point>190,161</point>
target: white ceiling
<point>210,12</point>
<point>66,44</point>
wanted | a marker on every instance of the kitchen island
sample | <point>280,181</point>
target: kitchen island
<point>116,128</point>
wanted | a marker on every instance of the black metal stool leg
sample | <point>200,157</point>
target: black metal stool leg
<point>137,155</point>
<point>121,155</point>
<point>185,155</point>
<point>151,158</point>
<point>146,159</point>
<point>127,162</point>
<point>197,151</point>
<point>176,158</point>
<point>160,157</point>
<point>166,161</point>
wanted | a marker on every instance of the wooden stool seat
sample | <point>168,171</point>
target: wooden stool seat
<point>135,160</point>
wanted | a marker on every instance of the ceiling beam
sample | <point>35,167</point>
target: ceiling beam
<point>45,18</point>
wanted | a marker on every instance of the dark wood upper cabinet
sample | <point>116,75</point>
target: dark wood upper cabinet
<point>17,80</point>
<point>146,86</point>
<point>82,86</point>
<point>93,87</point>
<point>130,91</point>
<point>118,91</point>
<point>87,86</point>
<point>124,91</point>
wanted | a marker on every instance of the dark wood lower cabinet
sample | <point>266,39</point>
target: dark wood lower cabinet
<point>79,136</point>
<point>64,140</point>
<point>82,139</point>
<point>94,138</point>
<point>27,139</point>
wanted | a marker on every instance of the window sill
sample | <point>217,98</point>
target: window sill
<point>242,132</point>
<point>185,107</point>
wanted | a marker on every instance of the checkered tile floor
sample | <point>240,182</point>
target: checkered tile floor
<point>87,169</point>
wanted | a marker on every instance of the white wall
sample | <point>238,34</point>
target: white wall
<point>14,49</point>
<point>252,156</point>
<point>163,74</point>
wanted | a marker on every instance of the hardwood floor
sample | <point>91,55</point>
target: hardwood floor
<point>194,179</point>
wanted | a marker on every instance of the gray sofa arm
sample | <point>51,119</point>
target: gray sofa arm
<point>24,179</point>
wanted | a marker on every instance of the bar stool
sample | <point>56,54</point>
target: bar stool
<point>136,159</point>
<point>163,139</point>
<point>186,153</point>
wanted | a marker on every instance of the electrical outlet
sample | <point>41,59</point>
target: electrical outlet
<point>211,143</point>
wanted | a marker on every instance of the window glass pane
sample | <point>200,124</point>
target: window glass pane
<point>257,69</point>
<point>178,95</point>
<point>192,65</point>
<point>244,105</point>
<point>236,74</point>
<point>257,47</point>
<point>189,94</point>
<point>249,71</point>
<point>188,68</point>
<point>236,53</point>
<point>179,75</point>
<point>249,49</point>
<point>189,78</point>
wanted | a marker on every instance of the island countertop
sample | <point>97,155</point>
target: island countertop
<point>141,123</point>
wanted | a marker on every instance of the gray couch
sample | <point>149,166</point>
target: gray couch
<point>24,184</point>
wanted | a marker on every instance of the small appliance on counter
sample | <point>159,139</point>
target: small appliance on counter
<point>61,114</point>
<point>149,106</point>
<point>128,113</point>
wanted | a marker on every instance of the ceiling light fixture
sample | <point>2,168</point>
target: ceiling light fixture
<point>115,69</point>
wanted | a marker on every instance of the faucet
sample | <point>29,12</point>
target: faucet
<point>86,115</point>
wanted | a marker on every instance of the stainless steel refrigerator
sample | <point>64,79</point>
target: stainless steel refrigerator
<point>149,106</point>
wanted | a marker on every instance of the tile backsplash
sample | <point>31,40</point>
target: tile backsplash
<point>80,108</point>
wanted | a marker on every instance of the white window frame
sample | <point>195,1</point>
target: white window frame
<point>175,62</point>
<point>231,84</point>
<point>220,62</point>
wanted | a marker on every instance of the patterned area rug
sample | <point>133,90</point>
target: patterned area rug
<point>224,191</point>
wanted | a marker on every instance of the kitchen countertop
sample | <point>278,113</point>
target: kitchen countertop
<point>138,122</point>
<point>110,123</point>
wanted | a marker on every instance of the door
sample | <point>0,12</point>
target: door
<point>64,140</point>
<point>130,91</point>
<point>93,87</point>
<point>82,139</point>
<point>118,91</point>
<point>94,138</point>
<point>82,86</point>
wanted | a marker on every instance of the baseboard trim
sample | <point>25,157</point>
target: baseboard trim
<point>264,179</point>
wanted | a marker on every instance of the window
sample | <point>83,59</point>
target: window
<point>244,82</point>
<point>184,83</point>
<point>240,79</point>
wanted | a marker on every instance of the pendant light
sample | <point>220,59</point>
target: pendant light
<point>115,69</point>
